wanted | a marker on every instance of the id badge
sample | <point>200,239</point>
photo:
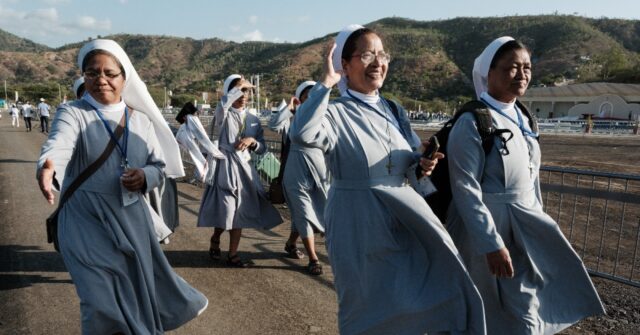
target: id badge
<point>128,197</point>
<point>422,185</point>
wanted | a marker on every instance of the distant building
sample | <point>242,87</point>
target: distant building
<point>607,100</point>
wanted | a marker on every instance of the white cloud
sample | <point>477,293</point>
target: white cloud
<point>45,14</point>
<point>253,19</point>
<point>8,14</point>
<point>56,2</point>
<point>44,24</point>
<point>235,29</point>
<point>303,19</point>
<point>89,22</point>
<point>255,35</point>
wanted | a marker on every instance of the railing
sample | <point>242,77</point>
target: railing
<point>599,214</point>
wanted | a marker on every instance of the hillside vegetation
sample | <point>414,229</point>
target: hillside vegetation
<point>431,61</point>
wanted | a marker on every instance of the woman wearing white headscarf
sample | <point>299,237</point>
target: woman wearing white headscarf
<point>234,198</point>
<point>192,137</point>
<point>530,279</point>
<point>396,269</point>
<point>304,182</point>
<point>106,236</point>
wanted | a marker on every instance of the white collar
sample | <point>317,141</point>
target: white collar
<point>370,99</point>
<point>503,106</point>
<point>241,112</point>
<point>117,107</point>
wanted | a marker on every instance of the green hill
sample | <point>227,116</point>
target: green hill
<point>431,61</point>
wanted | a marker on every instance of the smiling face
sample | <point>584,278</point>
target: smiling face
<point>104,79</point>
<point>510,76</point>
<point>361,77</point>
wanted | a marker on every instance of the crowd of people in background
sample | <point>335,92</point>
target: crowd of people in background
<point>28,112</point>
<point>345,162</point>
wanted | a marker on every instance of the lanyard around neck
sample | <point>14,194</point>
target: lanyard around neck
<point>122,148</point>
<point>519,123</point>
<point>384,115</point>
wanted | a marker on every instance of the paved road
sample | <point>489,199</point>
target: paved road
<point>276,296</point>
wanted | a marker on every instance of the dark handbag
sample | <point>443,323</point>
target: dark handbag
<point>52,220</point>
<point>276,192</point>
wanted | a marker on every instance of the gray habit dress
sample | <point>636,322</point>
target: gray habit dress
<point>396,269</point>
<point>234,197</point>
<point>497,203</point>
<point>121,275</point>
<point>305,180</point>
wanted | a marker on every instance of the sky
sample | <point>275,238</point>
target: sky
<point>58,22</point>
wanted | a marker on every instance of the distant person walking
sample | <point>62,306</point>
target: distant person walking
<point>106,231</point>
<point>305,183</point>
<point>530,278</point>
<point>27,114</point>
<point>43,110</point>
<point>192,137</point>
<point>234,198</point>
<point>15,116</point>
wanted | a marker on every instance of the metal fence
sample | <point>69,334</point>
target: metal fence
<point>599,214</point>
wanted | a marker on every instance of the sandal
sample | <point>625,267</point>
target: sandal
<point>293,251</point>
<point>236,262</point>
<point>214,250</point>
<point>314,267</point>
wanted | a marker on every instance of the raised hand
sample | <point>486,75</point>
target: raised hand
<point>330,76</point>
<point>45,180</point>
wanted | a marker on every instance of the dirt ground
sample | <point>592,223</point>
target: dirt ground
<point>275,296</point>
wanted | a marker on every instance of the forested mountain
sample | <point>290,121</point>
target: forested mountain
<point>431,61</point>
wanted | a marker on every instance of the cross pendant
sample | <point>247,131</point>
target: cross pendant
<point>389,166</point>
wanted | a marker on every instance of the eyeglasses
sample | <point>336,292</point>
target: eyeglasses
<point>368,57</point>
<point>107,75</point>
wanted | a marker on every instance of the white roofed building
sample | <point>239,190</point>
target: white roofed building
<point>606,100</point>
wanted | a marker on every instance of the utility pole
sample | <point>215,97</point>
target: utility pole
<point>258,93</point>
<point>164,103</point>
<point>6,98</point>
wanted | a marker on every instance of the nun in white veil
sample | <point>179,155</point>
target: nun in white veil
<point>530,279</point>
<point>396,269</point>
<point>107,238</point>
<point>234,198</point>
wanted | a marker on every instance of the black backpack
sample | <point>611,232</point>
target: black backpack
<point>440,200</point>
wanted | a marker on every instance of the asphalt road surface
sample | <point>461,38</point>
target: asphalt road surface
<point>275,296</point>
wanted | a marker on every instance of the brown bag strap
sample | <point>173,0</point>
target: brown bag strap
<point>95,165</point>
